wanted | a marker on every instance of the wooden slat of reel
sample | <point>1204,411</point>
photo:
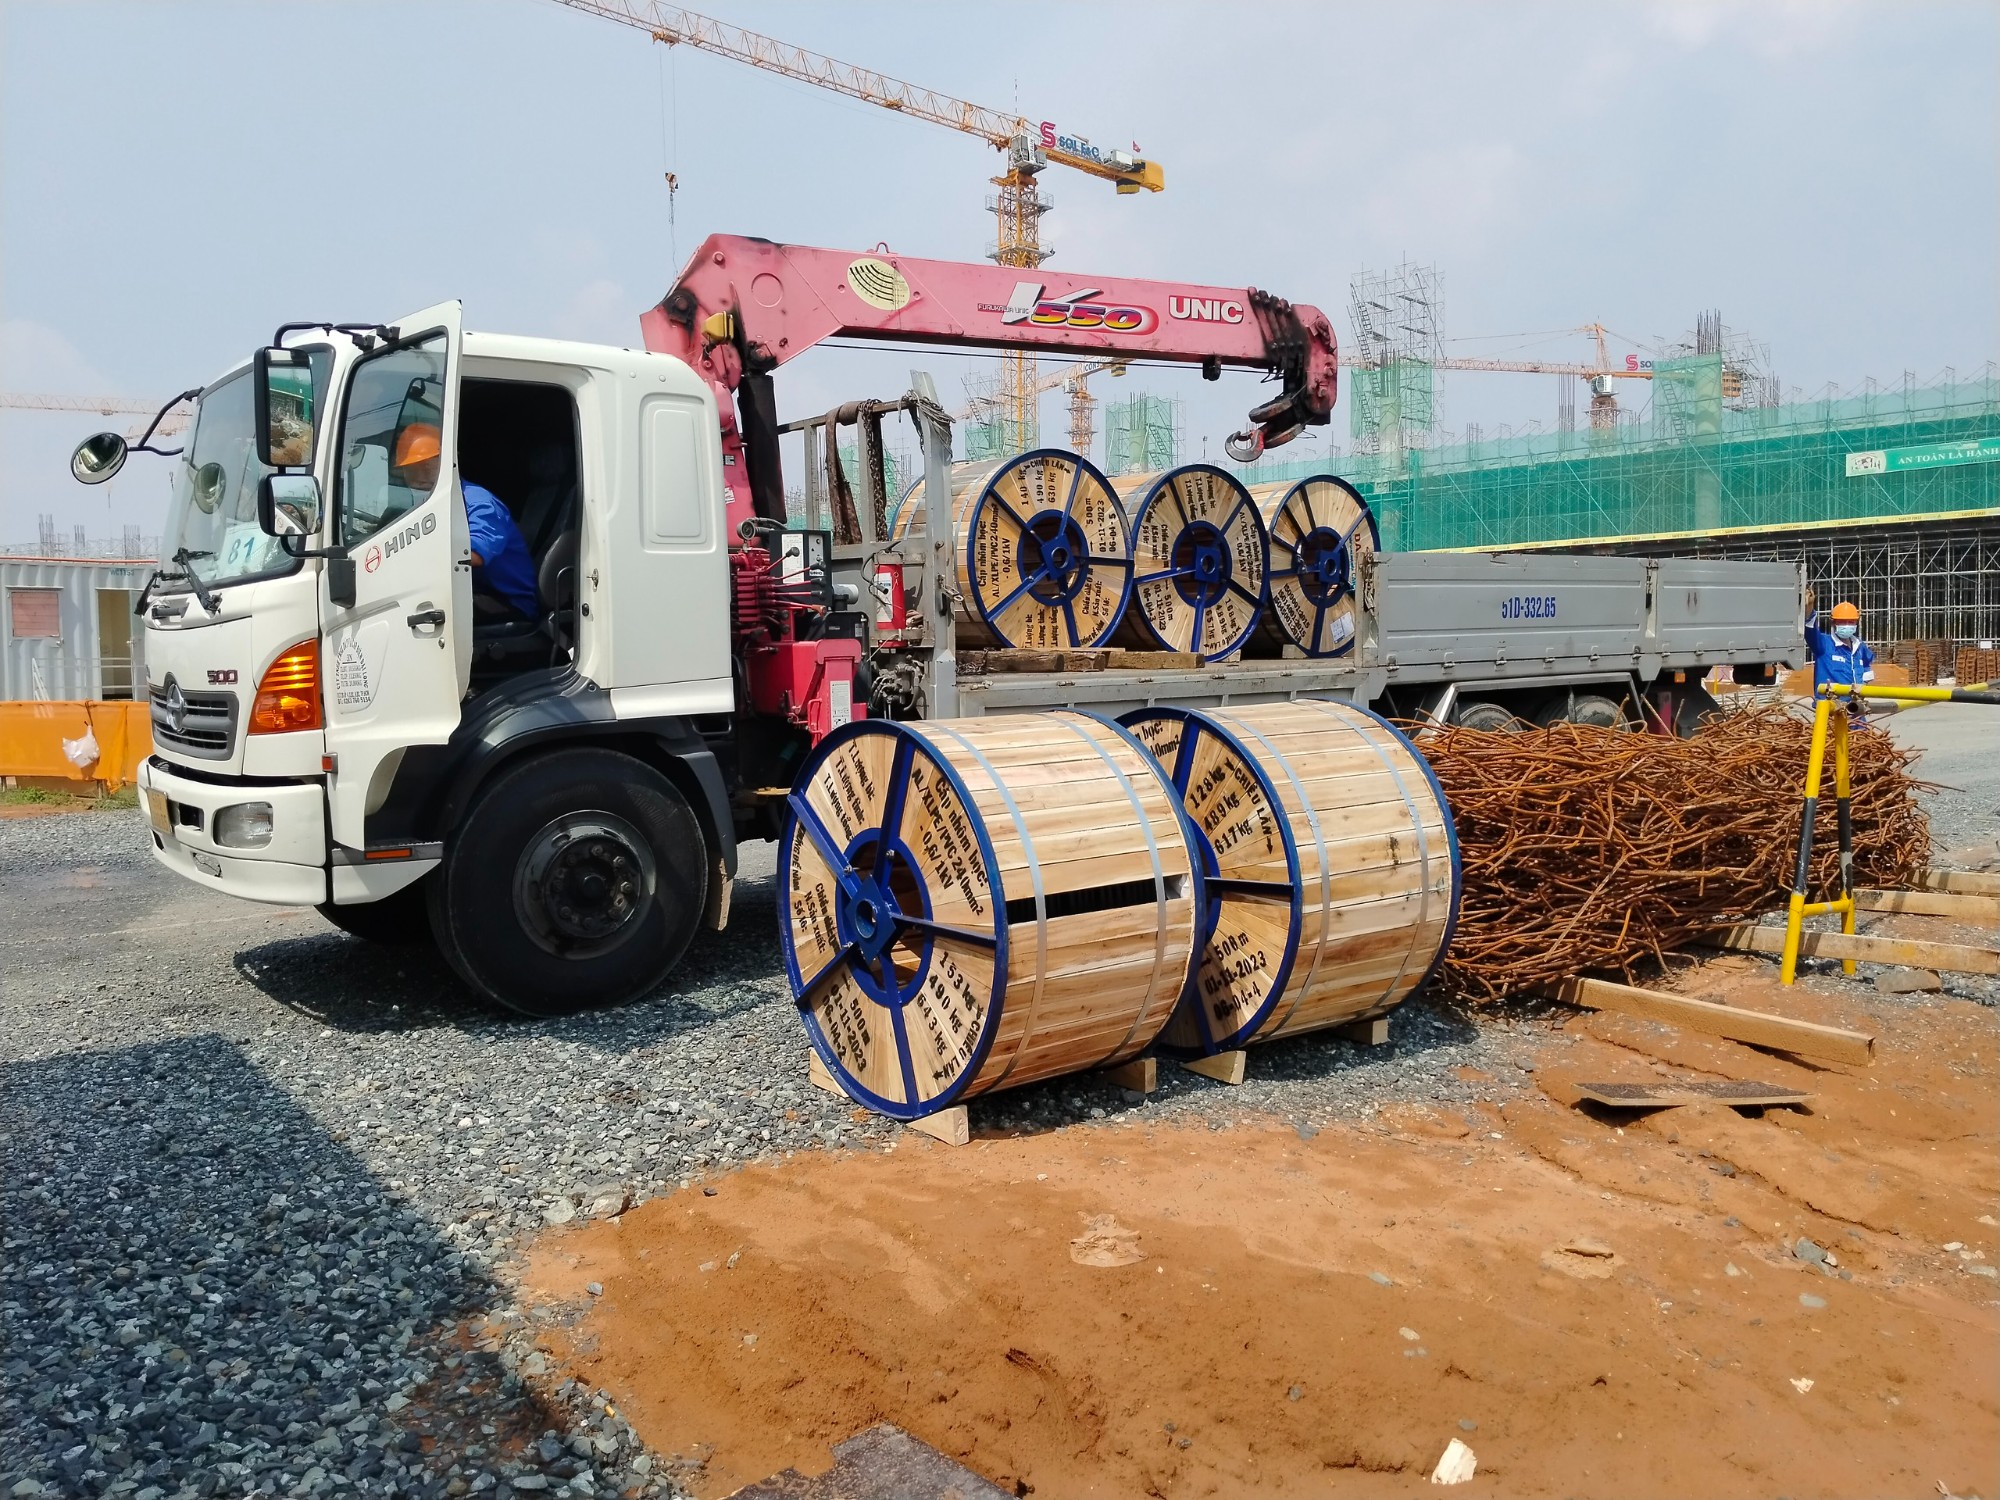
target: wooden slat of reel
<point>1331,862</point>
<point>1199,558</point>
<point>979,904</point>
<point>1319,527</point>
<point>1044,551</point>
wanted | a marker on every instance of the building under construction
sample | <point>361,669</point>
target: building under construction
<point>1889,495</point>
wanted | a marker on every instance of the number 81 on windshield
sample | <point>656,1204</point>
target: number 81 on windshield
<point>1528,607</point>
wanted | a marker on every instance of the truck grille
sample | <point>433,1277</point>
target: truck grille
<point>199,724</point>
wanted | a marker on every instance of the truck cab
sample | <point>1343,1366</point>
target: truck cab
<point>344,717</point>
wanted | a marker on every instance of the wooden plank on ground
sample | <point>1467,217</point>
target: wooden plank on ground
<point>1965,882</point>
<point>1755,1027</point>
<point>1955,958</point>
<point>1968,908</point>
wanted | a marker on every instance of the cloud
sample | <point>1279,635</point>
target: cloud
<point>36,358</point>
<point>1777,29</point>
<point>1459,195</point>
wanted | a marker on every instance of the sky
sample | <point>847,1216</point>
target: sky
<point>178,177</point>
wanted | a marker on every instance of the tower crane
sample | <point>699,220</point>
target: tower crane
<point>1028,147</point>
<point>1603,401</point>
<point>104,406</point>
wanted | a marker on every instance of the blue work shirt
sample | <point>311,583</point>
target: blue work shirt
<point>504,566</point>
<point>1835,660</point>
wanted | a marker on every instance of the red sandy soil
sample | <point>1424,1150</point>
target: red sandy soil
<point>1245,1346</point>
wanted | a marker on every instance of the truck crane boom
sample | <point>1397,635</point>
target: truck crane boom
<point>741,307</point>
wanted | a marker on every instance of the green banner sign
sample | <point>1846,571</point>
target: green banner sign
<point>1923,456</point>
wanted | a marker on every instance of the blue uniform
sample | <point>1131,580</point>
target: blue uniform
<point>1835,660</point>
<point>505,567</point>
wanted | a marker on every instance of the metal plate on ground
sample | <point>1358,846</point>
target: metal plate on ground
<point>1740,1093</point>
<point>883,1463</point>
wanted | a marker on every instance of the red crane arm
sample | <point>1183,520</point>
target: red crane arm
<point>744,306</point>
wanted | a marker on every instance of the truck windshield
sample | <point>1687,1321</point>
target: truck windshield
<point>214,508</point>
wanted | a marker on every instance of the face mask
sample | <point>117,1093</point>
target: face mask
<point>1846,632</point>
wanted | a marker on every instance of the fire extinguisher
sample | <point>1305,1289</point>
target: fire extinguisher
<point>891,613</point>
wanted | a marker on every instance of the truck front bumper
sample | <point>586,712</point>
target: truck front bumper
<point>289,870</point>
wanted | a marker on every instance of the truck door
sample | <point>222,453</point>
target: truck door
<point>398,656</point>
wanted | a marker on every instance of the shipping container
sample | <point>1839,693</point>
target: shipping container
<point>67,630</point>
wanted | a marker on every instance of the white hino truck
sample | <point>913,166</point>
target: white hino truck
<point>341,719</point>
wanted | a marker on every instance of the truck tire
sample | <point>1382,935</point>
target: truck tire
<point>1484,714</point>
<point>576,879</point>
<point>1691,705</point>
<point>1591,709</point>
<point>398,921</point>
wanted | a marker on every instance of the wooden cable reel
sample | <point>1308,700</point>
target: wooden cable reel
<point>1330,866</point>
<point>1319,527</point>
<point>977,904</point>
<point>1199,556</point>
<point>1044,556</point>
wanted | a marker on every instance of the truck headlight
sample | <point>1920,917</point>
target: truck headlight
<point>245,825</point>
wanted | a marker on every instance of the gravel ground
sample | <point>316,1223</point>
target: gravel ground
<point>260,1183</point>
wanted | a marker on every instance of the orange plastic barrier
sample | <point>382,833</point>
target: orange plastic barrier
<point>32,735</point>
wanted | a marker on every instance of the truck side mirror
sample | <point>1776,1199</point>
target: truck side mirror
<point>288,505</point>
<point>97,458</point>
<point>282,392</point>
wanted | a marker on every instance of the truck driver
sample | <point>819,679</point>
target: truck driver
<point>503,576</point>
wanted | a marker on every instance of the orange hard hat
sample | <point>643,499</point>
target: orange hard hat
<point>421,441</point>
<point>1845,613</point>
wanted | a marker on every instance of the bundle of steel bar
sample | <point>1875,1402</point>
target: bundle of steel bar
<point>1600,849</point>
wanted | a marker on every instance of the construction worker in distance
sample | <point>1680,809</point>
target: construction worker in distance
<point>1842,657</point>
<point>503,574</point>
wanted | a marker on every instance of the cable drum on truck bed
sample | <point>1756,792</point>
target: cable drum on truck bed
<point>1320,529</point>
<point>1330,861</point>
<point>1199,556</point>
<point>1044,556</point>
<point>977,904</point>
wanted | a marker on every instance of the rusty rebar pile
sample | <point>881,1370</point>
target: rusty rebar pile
<point>1597,849</point>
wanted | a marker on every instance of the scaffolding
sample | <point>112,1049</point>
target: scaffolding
<point>1143,434</point>
<point>1708,474</point>
<point>993,428</point>
<point>1397,317</point>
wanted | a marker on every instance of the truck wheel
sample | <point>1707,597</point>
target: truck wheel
<point>1486,715</point>
<point>576,879</point>
<point>1690,706</point>
<point>1593,709</point>
<point>398,920</point>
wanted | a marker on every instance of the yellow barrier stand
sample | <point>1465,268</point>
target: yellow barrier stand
<point>1825,699</point>
<point>32,735</point>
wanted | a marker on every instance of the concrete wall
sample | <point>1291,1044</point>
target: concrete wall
<point>78,662</point>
